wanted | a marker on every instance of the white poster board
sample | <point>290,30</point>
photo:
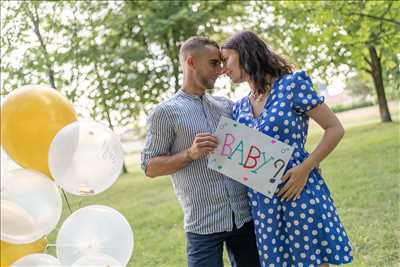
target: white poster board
<point>249,157</point>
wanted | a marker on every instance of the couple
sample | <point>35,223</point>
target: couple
<point>299,226</point>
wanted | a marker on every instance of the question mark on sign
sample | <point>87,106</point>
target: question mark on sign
<point>277,166</point>
<point>273,180</point>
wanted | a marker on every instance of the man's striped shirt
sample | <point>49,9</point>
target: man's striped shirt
<point>207,197</point>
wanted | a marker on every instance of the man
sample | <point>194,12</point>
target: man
<point>180,137</point>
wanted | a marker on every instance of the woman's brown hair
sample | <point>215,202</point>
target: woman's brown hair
<point>257,59</point>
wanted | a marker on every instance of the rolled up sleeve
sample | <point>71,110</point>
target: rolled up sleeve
<point>160,136</point>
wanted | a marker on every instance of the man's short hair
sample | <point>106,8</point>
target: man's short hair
<point>193,43</point>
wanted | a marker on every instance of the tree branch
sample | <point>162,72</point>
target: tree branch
<point>367,60</point>
<point>367,70</point>
<point>35,21</point>
<point>375,17</point>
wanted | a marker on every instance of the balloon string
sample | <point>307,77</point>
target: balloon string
<point>66,200</point>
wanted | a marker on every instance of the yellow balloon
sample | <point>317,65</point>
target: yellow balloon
<point>31,116</point>
<point>10,253</point>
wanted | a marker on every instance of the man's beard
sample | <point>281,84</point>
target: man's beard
<point>205,82</point>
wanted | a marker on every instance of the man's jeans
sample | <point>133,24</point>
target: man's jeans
<point>206,250</point>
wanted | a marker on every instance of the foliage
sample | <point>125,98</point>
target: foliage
<point>358,87</point>
<point>122,56</point>
<point>328,37</point>
<point>117,59</point>
<point>322,35</point>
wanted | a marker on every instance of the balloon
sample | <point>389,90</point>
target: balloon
<point>9,253</point>
<point>38,198</point>
<point>85,158</point>
<point>30,118</point>
<point>4,167</point>
<point>17,225</point>
<point>98,260</point>
<point>7,165</point>
<point>37,259</point>
<point>95,230</point>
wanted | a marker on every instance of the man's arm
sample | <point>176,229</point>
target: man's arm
<point>203,144</point>
<point>165,165</point>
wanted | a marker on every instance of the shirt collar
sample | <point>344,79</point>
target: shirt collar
<point>193,97</point>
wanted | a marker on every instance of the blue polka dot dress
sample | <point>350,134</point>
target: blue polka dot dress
<point>307,231</point>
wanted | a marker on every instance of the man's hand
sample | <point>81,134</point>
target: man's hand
<point>204,143</point>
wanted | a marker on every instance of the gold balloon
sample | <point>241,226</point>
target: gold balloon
<point>31,116</point>
<point>10,253</point>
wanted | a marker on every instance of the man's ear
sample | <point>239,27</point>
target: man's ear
<point>190,61</point>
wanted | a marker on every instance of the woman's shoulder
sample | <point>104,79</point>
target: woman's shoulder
<point>241,104</point>
<point>296,77</point>
<point>242,101</point>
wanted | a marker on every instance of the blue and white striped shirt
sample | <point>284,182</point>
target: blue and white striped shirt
<point>207,197</point>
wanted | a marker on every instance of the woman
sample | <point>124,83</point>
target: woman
<point>299,226</point>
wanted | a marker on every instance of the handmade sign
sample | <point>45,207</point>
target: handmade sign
<point>249,157</point>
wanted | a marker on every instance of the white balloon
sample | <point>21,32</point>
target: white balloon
<point>85,158</point>
<point>38,196</point>
<point>17,226</point>
<point>4,167</point>
<point>95,230</point>
<point>98,260</point>
<point>7,165</point>
<point>37,259</point>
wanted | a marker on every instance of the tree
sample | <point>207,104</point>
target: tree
<point>122,55</point>
<point>69,54</point>
<point>163,26</point>
<point>114,59</point>
<point>352,35</point>
<point>358,87</point>
<point>30,53</point>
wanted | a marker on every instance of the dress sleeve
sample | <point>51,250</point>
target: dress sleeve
<point>235,110</point>
<point>160,136</point>
<point>305,98</point>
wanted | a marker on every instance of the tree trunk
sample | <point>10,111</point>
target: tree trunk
<point>107,109</point>
<point>376,73</point>
<point>176,74</point>
<point>36,29</point>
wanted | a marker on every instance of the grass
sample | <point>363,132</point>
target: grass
<point>362,173</point>
<point>152,210</point>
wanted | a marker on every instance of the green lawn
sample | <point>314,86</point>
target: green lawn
<point>363,175</point>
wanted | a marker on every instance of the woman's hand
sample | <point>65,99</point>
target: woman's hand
<point>296,180</point>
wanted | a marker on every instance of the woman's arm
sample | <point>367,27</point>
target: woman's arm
<point>333,133</point>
